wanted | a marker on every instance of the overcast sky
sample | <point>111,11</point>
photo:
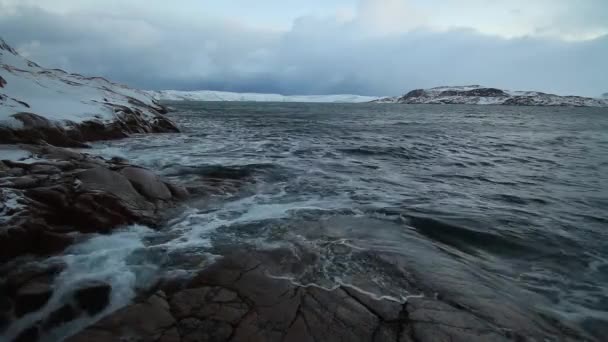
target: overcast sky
<point>368,47</point>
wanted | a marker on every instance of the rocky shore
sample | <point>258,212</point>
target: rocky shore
<point>52,199</point>
<point>239,299</point>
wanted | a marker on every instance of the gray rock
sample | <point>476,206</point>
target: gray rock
<point>31,297</point>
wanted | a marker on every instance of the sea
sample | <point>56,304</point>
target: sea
<point>500,209</point>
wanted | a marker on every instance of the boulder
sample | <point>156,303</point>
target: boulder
<point>93,296</point>
<point>32,297</point>
<point>69,191</point>
<point>147,183</point>
<point>64,314</point>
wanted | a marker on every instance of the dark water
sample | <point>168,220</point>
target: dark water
<point>503,210</point>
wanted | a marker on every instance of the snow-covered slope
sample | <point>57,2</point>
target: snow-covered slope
<point>476,94</point>
<point>32,96</point>
<point>209,95</point>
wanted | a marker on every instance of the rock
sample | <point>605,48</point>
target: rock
<point>177,191</point>
<point>111,182</point>
<point>52,243</point>
<point>146,321</point>
<point>31,236</point>
<point>32,297</point>
<point>436,321</point>
<point>25,182</point>
<point>76,192</point>
<point>53,153</point>
<point>235,300</point>
<point>38,130</point>
<point>93,297</point>
<point>45,169</point>
<point>5,321</point>
<point>28,335</point>
<point>147,183</point>
<point>64,314</point>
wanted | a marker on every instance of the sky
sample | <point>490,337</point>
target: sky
<point>367,47</point>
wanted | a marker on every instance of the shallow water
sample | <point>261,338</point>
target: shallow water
<point>498,208</point>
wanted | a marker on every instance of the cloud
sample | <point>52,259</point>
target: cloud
<point>383,47</point>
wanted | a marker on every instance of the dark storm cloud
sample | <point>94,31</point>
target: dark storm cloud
<point>316,56</point>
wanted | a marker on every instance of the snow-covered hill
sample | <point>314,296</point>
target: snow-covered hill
<point>480,95</point>
<point>51,105</point>
<point>209,95</point>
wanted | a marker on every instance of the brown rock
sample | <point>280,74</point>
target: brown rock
<point>145,321</point>
<point>235,300</point>
<point>111,182</point>
<point>147,183</point>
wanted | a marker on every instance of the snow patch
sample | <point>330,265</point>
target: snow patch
<point>10,204</point>
<point>209,95</point>
<point>480,95</point>
<point>60,96</point>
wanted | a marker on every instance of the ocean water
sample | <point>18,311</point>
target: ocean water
<point>503,210</point>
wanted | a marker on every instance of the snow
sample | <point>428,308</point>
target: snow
<point>209,95</point>
<point>529,98</point>
<point>10,204</point>
<point>13,153</point>
<point>56,94</point>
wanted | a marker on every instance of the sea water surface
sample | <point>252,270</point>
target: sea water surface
<point>503,208</point>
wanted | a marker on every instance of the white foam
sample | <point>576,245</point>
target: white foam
<point>107,258</point>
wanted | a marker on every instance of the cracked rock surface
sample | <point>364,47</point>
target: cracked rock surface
<point>237,299</point>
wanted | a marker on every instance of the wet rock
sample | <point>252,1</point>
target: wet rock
<point>32,297</point>
<point>146,321</point>
<point>53,153</point>
<point>235,299</point>
<point>147,183</point>
<point>5,321</point>
<point>436,321</point>
<point>70,191</point>
<point>178,192</point>
<point>64,314</point>
<point>26,182</point>
<point>44,169</point>
<point>28,335</point>
<point>93,297</point>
